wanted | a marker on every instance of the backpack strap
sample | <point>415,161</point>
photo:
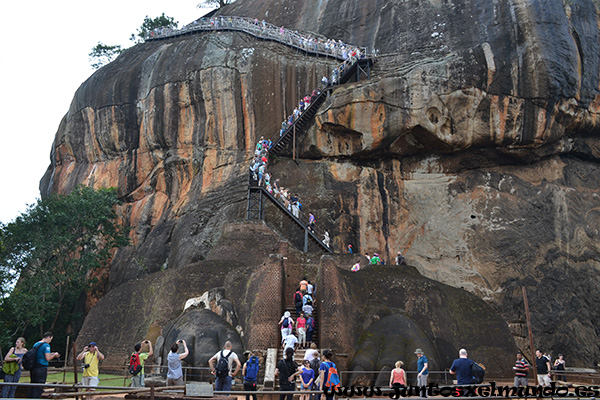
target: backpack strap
<point>37,348</point>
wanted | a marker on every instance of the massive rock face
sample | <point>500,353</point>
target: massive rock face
<point>473,148</point>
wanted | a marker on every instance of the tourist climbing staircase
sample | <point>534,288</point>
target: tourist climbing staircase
<point>300,352</point>
<point>257,194</point>
<point>301,124</point>
<point>255,210</point>
<point>349,68</point>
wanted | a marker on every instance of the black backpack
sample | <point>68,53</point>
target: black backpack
<point>30,358</point>
<point>478,372</point>
<point>222,370</point>
<point>286,323</point>
<point>315,364</point>
<point>298,297</point>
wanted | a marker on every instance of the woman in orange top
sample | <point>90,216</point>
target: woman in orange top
<point>303,285</point>
<point>398,376</point>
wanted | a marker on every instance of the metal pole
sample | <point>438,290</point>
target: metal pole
<point>260,205</point>
<point>75,367</point>
<point>306,240</point>
<point>294,144</point>
<point>530,333</point>
<point>66,358</point>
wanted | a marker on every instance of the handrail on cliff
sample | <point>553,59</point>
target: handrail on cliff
<point>351,62</point>
<point>310,43</point>
<point>301,220</point>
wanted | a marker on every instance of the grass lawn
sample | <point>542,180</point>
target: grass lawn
<point>105,379</point>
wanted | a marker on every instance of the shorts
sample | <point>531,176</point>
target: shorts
<point>90,381</point>
<point>543,380</point>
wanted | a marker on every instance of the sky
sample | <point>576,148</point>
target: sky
<point>43,60</point>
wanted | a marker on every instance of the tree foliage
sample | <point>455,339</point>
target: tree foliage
<point>214,3</point>
<point>149,24</point>
<point>48,255</point>
<point>102,54</point>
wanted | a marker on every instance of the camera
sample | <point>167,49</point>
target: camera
<point>85,366</point>
<point>180,341</point>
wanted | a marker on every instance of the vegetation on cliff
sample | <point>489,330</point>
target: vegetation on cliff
<point>48,257</point>
<point>103,54</point>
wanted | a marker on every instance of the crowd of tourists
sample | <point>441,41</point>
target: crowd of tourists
<point>305,324</point>
<point>258,167</point>
<point>375,259</point>
<point>307,42</point>
<point>225,364</point>
<point>291,201</point>
<point>303,105</point>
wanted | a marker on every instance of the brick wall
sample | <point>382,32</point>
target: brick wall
<point>267,307</point>
<point>336,315</point>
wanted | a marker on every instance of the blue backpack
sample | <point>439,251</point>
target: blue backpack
<point>310,323</point>
<point>252,368</point>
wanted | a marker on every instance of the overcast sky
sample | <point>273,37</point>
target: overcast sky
<point>44,59</point>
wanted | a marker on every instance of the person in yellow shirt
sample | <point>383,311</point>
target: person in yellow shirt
<point>91,357</point>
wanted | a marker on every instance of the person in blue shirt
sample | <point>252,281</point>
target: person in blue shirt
<point>422,368</point>
<point>462,367</point>
<point>39,373</point>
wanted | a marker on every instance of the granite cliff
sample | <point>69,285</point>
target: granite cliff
<point>473,147</point>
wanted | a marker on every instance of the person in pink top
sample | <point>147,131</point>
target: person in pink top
<point>398,376</point>
<point>301,329</point>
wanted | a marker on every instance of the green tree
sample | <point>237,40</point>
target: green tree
<point>214,3</point>
<point>149,24</point>
<point>48,256</point>
<point>102,54</point>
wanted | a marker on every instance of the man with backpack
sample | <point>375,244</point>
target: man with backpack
<point>462,367</point>
<point>250,374</point>
<point>310,328</point>
<point>298,301</point>
<point>136,363</point>
<point>329,378</point>
<point>315,364</point>
<point>39,368</point>
<point>224,360</point>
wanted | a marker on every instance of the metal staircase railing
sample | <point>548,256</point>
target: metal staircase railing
<point>255,210</point>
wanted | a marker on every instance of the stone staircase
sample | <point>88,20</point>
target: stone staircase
<point>300,352</point>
